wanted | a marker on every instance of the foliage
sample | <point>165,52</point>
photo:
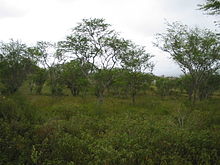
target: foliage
<point>165,86</point>
<point>15,63</point>
<point>103,79</point>
<point>154,131</point>
<point>136,61</point>
<point>209,87</point>
<point>211,6</point>
<point>72,75</point>
<point>49,57</point>
<point>136,82</point>
<point>186,83</point>
<point>17,119</point>
<point>66,130</point>
<point>37,80</point>
<point>195,51</point>
<point>55,81</point>
<point>93,41</point>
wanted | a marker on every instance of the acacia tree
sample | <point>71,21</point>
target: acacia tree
<point>93,41</point>
<point>73,77</point>
<point>211,7</point>
<point>51,59</point>
<point>196,51</point>
<point>136,61</point>
<point>16,62</point>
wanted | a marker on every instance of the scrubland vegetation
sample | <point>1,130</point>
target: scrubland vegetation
<point>40,129</point>
<point>92,99</point>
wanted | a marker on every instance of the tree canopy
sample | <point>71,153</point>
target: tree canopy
<point>211,7</point>
<point>195,50</point>
<point>15,62</point>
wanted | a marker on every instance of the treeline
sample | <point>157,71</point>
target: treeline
<point>95,58</point>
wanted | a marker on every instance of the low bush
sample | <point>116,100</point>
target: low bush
<point>110,134</point>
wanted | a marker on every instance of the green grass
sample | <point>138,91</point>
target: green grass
<point>67,130</point>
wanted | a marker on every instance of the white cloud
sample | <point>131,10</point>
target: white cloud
<point>9,10</point>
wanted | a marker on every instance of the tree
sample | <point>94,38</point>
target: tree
<point>16,62</point>
<point>72,76</point>
<point>137,82</point>
<point>211,6</point>
<point>186,83</point>
<point>209,86</point>
<point>51,59</point>
<point>196,51</point>
<point>165,86</point>
<point>119,84</point>
<point>37,79</point>
<point>94,42</point>
<point>135,60</point>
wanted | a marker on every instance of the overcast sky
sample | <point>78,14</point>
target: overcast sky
<point>138,20</point>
